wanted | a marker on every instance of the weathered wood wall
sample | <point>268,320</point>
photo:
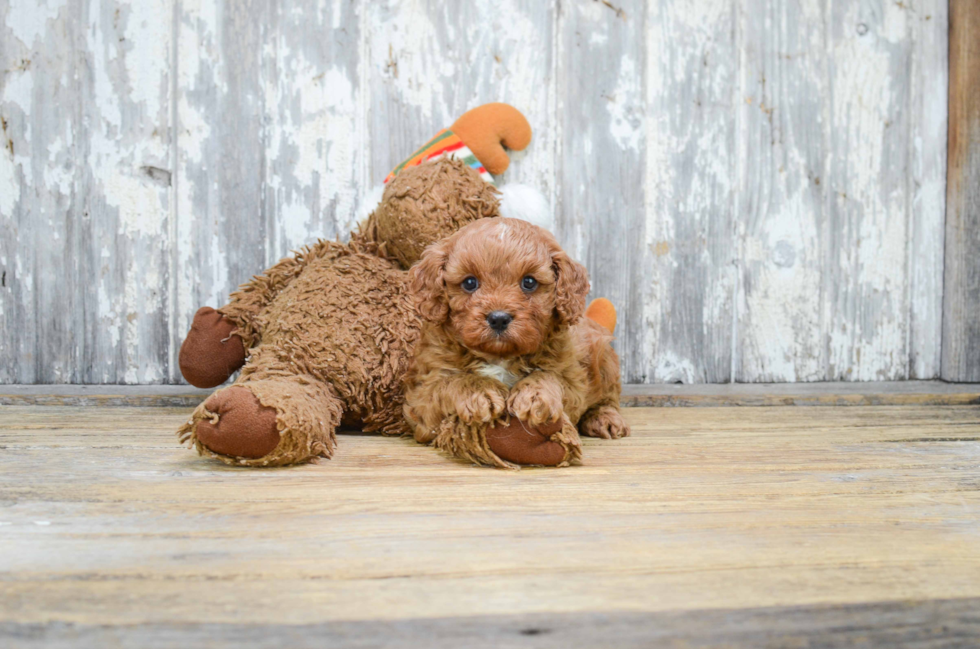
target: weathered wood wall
<point>961,321</point>
<point>759,185</point>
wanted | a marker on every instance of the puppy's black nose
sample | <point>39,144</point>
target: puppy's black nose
<point>498,321</point>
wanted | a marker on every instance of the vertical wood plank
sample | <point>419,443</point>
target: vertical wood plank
<point>430,61</point>
<point>839,213</point>
<point>601,167</point>
<point>961,303</point>
<point>41,104</point>
<point>89,104</point>
<point>120,243</point>
<point>315,143</point>
<point>782,149</point>
<point>22,211</point>
<point>686,322</point>
<point>865,279</point>
<point>927,183</point>
<point>221,220</point>
<point>269,139</point>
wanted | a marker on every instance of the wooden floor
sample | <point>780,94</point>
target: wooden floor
<point>768,526</point>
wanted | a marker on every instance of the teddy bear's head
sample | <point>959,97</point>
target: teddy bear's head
<point>429,202</point>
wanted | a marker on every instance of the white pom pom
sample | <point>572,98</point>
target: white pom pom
<point>527,204</point>
<point>370,202</point>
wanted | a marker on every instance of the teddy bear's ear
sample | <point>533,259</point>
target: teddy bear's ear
<point>571,287</point>
<point>428,283</point>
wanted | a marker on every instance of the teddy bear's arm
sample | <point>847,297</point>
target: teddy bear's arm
<point>219,339</point>
<point>251,298</point>
<point>218,342</point>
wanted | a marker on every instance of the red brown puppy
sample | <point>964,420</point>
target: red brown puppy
<point>505,349</point>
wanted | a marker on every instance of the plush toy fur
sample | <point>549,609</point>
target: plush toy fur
<point>421,208</point>
<point>325,337</point>
<point>329,332</point>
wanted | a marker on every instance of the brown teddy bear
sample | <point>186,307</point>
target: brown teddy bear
<point>324,337</point>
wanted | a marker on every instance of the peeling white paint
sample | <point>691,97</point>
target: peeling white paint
<point>671,368</point>
<point>9,184</point>
<point>408,51</point>
<point>869,337</point>
<point>27,20</point>
<point>18,88</point>
<point>625,108</point>
<point>730,178</point>
<point>147,57</point>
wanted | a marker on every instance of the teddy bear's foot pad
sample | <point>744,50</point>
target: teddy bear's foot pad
<point>240,426</point>
<point>210,353</point>
<point>520,443</point>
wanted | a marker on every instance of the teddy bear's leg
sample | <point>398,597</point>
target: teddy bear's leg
<point>520,443</point>
<point>512,443</point>
<point>271,421</point>
<point>211,352</point>
<point>239,425</point>
<point>553,444</point>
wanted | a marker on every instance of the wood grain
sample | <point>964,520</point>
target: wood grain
<point>898,393</point>
<point>840,140</point>
<point>686,323</point>
<point>763,512</point>
<point>270,147</point>
<point>782,183</point>
<point>865,289</point>
<point>85,192</point>
<point>927,184</point>
<point>427,62</point>
<point>918,624</point>
<point>757,185</point>
<point>224,54</point>
<point>961,300</point>
<point>601,103</point>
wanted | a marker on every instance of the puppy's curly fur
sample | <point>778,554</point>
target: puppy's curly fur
<point>547,364</point>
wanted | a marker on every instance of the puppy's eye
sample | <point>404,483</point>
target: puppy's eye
<point>470,284</point>
<point>529,283</point>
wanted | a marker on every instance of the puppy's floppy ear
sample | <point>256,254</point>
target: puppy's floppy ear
<point>571,287</point>
<point>428,285</point>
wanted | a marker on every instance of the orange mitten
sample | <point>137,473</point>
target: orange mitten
<point>478,138</point>
<point>489,128</point>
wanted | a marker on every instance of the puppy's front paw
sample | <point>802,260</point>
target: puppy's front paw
<point>536,402</point>
<point>605,422</point>
<point>480,406</point>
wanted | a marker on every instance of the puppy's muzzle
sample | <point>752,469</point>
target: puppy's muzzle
<point>499,321</point>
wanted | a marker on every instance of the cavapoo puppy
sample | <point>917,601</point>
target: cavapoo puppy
<point>507,368</point>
